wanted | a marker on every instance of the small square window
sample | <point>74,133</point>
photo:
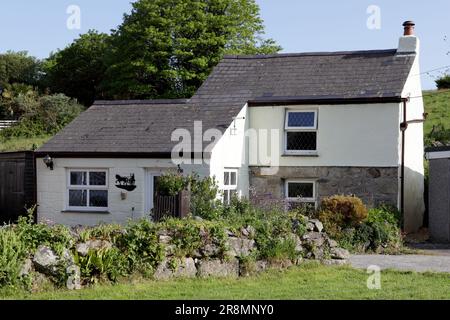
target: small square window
<point>98,198</point>
<point>77,198</point>
<point>97,178</point>
<point>300,190</point>
<point>78,178</point>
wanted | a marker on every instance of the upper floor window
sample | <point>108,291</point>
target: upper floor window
<point>87,190</point>
<point>301,132</point>
<point>229,185</point>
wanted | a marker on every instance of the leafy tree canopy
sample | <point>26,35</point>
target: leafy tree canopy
<point>167,48</point>
<point>19,67</point>
<point>78,69</point>
<point>443,82</point>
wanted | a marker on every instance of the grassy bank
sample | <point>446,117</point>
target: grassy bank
<point>21,144</point>
<point>310,281</point>
<point>437,105</point>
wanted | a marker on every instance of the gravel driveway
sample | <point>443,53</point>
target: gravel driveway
<point>410,262</point>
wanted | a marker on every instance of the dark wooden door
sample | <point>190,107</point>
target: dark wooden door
<point>16,185</point>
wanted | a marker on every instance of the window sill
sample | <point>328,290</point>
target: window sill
<point>87,211</point>
<point>300,155</point>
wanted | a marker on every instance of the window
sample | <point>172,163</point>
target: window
<point>229,185</point>
<point>87,190</point>
<point>301,193</point>
<point>301,132</point>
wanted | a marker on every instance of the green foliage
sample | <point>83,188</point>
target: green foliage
<point>40,115</point>
<point>204,191</point>
<point>32,235</point>
<point>378,232</point>
<point>13,252</point>
<point>188,235</point>
<point>439,134</point>
<point>443,82</point>
<point>108,232</point>
<point>171,184</point>
<point>386,214</point>
<point>97,264</point>
<point>204,202</point>
<point>345,211</point>
<point>140,245</point>
<point>78,70</point>
<point>19,67</point>
<point>437,126</point>
<point>167,48</point>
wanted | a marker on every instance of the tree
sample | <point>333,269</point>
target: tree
<point>443,82</point>
<point>19,67</point>
<point>167,48</point>
<point>78,69</point>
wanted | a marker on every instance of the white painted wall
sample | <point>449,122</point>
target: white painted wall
<point>414,148</point>
<point>52,188</point>
<point>348,135</point>
<point>230,152</point>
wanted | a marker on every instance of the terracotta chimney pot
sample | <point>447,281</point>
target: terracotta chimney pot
<point>409,28</point>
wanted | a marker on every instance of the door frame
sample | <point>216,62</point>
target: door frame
<point>149,188</point>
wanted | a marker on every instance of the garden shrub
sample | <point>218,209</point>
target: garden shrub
<point>13,253</point>
<point>188,235</point>
<point>140,245</point>
<point>108,232</point>
<point>376,230</point>
<point>107,263</point>
<point>343,210</point>
<point>32,235</point>
<point>204,191</point>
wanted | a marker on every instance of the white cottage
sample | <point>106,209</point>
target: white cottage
<point>289,126</point>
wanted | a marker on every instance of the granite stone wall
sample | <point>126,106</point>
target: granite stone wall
<point>374,185</point>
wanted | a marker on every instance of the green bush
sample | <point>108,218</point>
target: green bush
<point>171,184</point>
<point>140,245</point>
<point>13,252</point>
<point>443,82</point>
<point>379,231</point>
<point>188,235</point>
<point>40,115</point>
<point>108,264</point>
<point>32,235</point>
<point>345,211</point>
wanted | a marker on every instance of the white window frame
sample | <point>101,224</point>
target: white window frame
<point>86,187</point>
<point>297,199</point>
<point>288,129</point>
<point>230,187</point>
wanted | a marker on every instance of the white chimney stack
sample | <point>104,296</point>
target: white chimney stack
<point>409,43</point>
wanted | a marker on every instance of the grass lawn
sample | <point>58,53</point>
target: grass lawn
<point>437,105</point>
<point>22,144</point>
<point>310,281</point>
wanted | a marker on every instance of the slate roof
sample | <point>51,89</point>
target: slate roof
<point>145,126</point>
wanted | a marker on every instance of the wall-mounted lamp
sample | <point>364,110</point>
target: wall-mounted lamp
<point>48,162</point>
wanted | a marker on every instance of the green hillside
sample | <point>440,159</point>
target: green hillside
<point>437,105</point>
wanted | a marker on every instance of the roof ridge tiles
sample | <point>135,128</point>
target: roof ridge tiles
<point>306,54</point>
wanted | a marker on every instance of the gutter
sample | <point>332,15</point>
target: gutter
<point>320,100</point>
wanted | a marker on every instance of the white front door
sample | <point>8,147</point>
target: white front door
<point>151,177</point>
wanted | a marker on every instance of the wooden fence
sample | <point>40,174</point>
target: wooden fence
<point>17,184</point>
<point>171,206</point>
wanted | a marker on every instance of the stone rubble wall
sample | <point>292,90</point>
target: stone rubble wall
<point>313,245</point>
<point>373,185</point>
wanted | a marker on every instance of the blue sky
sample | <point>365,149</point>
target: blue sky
<point>39,27</point>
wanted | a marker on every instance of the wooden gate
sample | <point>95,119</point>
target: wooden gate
<point>17,184</point>
<point>171,206</point>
